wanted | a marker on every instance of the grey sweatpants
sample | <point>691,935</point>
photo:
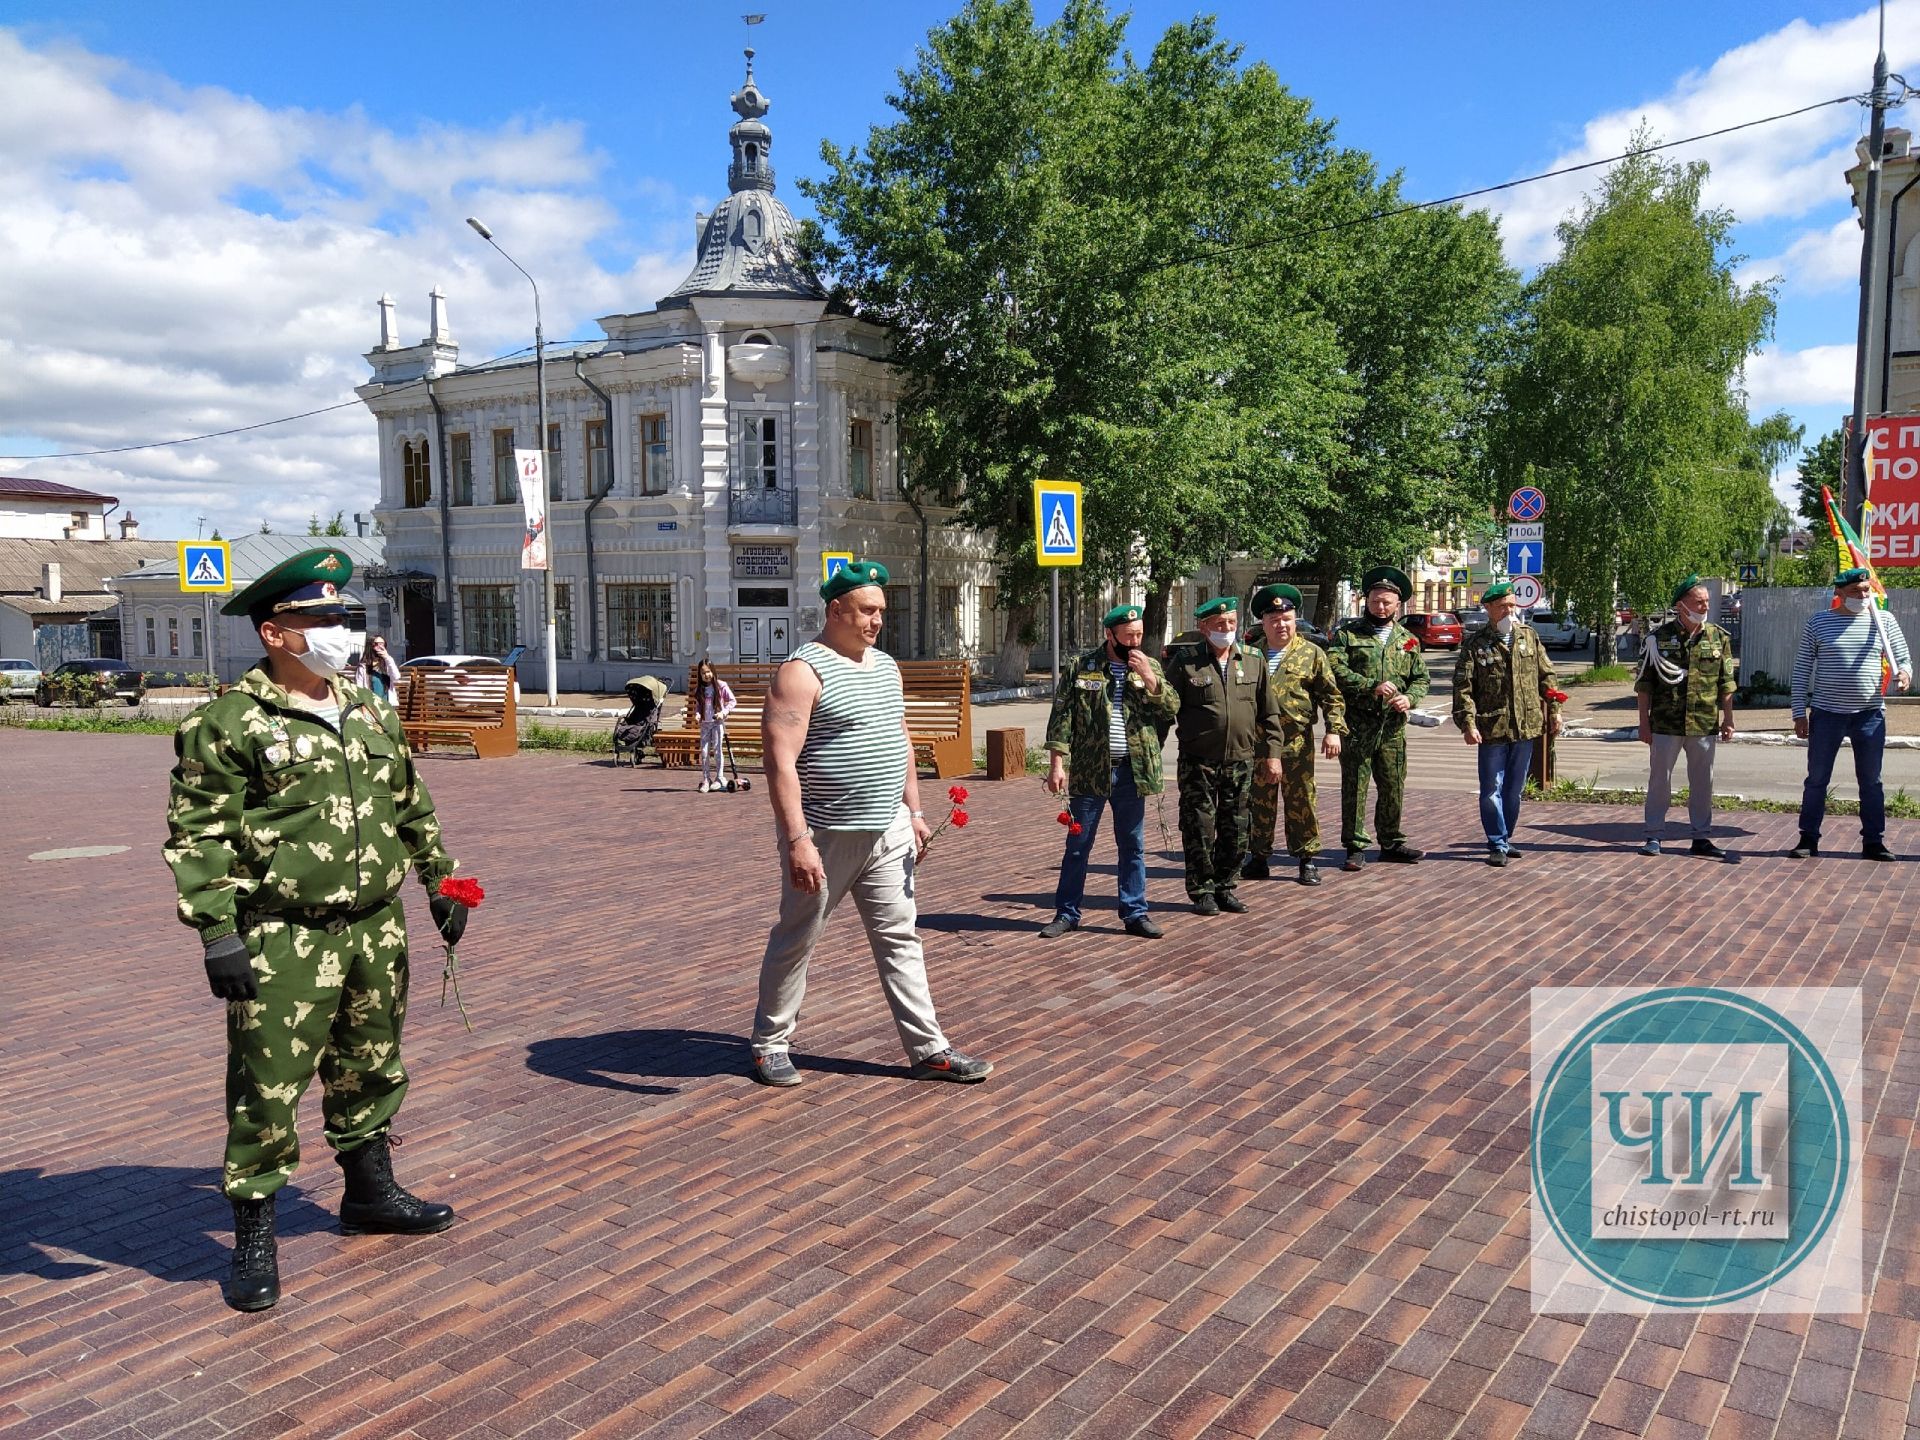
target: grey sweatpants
<point>876,868</point>
<point>1699,752</point>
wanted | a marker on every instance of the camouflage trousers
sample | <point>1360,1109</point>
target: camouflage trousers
<point>1383,756</point>
<point>1213,822</point>
<point>332,997</point>
<point>1296,794</point>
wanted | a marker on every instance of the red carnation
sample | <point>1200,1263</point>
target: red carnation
<point>1076,828</point>
<point>957,794</point>
<point>1064,818</point>
<point>1558,697</point>
<point>1413,643</point>
<point>463,892</point>
<point>959,818</point>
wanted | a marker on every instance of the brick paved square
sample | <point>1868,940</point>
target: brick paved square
<point>1267,1176</point>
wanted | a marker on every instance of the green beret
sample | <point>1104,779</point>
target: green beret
<point>1271,597</point>
<point>1386,577</point>
<point>1692,582</point>
<point>1850,577</point>
<point>308,583</point>
<point>1499,590</point>
<point>1121,615</point>
<point>852,577</point>
<point>1219,605</point>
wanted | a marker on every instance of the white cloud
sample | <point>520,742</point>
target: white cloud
<point>1818,261</point>
<point>1819,377</point>
<point>179,260</point>
<point>1776,171</point>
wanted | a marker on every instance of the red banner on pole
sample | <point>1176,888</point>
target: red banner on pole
<point>1891,524</point>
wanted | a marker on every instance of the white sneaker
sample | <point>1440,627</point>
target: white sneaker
<point>703,787</point>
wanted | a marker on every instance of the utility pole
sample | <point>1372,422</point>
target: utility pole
<point>1856,476</point>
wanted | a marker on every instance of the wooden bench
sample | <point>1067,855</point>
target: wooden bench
<point>471,706</point>
<point>939,715</point>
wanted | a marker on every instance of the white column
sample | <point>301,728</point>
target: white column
<point>807,473</point>
<point>714,436</point>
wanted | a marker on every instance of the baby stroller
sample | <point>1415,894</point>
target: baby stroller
<point>633,734</point>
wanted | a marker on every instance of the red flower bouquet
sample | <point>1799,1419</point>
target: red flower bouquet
<point>468,893</point>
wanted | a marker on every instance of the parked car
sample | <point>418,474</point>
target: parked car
<point>21,677</point>
<point>109,679</point>
<point>456,662</point>
<point>1558,631</point>
<point>1437,629</point>
<point>1471,618</point>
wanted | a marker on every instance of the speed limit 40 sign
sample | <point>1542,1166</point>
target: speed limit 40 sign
<point>1528,590</point>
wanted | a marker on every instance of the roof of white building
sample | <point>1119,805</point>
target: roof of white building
<point>23,488</point>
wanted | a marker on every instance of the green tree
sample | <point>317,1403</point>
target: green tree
<point>265,528</point>
<point>216,533</point>
<point>1623,398</point>
<point>1820,465</point>
<point>1056,237</point>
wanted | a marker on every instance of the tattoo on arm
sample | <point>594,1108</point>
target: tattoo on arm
<point>788,716</point>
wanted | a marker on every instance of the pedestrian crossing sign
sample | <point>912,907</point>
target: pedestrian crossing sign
<point>204,567</point>
<point>1460,575</point>
<point>1057,520</point>
<point>832,562</point>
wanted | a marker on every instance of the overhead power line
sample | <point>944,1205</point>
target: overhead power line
<point>1260,244</point>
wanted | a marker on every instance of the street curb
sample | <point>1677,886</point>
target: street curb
<point>1755,737</point>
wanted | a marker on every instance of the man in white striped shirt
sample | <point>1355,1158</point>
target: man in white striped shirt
<point>846,802</point>
<point>1837,695</point>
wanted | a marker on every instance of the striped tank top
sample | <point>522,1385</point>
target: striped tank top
<point>853,766</point>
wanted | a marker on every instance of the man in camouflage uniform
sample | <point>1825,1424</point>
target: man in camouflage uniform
<point>294,817</point>
<point>1229,722</point>
<point>1503,701</point>
<point>1685,688</point>
<point>1376,663</point>
<point>1104,736</point>
<point>1304,691</point>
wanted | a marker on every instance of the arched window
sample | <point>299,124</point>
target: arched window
<point>416,475</point>
<point>757,337</point>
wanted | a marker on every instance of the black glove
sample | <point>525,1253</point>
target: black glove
<point>451,917</point>
<point>229,972</point>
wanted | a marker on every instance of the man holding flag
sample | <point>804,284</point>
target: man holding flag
<point>1848,655</point>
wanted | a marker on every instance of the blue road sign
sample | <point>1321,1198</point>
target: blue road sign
<point>204,567</point>
<point>1056,522</point>
<point>1526,557</point>
<point>1749,573</point>
<point>1529,502</point>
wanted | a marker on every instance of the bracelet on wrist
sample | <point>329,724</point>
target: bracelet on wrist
<point>918,814</point>
<point>806,834</point>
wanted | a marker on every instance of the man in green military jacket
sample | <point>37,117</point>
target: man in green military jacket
<point>1376,663</point>
<point>1229,723</point>
<point>1104,738</point>
<point>1685,688</point>
<point>1503,702</point>
<point>294,817</point>
<point>1305,691</point>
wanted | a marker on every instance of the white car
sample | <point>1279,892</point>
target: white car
<point>20,676</point>
<point>455,662</point>
<point>1558,631</point>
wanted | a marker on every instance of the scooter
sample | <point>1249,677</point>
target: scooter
<point>734,782</point>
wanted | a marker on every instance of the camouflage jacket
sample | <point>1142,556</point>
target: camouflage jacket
<point>1500,687</point>
<point>1077,726</point>
<point>272,811</point>
<point>1360,660</point>
<point>1225,715</point>
<point>1689,707</point>
<point>1304,686</point>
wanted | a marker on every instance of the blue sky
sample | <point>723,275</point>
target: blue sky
<point>207,200</point>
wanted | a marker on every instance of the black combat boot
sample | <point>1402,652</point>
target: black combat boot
<point>374,1200</point>
<point>254,1282</point>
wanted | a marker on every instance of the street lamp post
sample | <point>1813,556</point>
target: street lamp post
<point>540,381</point>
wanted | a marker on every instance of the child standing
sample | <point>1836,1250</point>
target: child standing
<point>710,700</point>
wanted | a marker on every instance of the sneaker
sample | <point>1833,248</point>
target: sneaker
<point>1057,927</point>
<point>1808,847</point>
<point>1206,905</point>
<point>1877,850</point>
<point>1513,851</point>
<point>1356,860</point>
<point>952,1065</point>
<point>704,787</point>
<point>1255,868</point>
<point>1145,929</point>
<point>1651,847</point>
<point>1497,859</point>
<point>1309,873</point>
<point>1402,855</point>
<point>775,1068</point>
<point>1231,903</point>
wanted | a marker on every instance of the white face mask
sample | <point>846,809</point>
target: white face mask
<point>1504,625</point>
<point>1220,639</point>
<point>1856,603</point>
<point>330,649</point>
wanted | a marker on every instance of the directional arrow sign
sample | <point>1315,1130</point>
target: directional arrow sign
<point>1525,558</point>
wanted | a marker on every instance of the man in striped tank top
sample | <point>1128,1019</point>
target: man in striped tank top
<point>846,803</point>
<point>1837,696</point>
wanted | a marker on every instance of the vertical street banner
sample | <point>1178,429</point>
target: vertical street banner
<point>532,468</point>
<point>1890,524</point>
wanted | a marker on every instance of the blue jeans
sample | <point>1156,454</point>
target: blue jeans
<point>1503,779</point>
<point>1129,824</point>
<point>1868,731</point>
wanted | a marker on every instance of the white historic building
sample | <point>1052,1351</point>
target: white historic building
<point>702,458</point>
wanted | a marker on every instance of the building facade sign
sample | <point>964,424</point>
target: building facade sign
<point>763,562</point>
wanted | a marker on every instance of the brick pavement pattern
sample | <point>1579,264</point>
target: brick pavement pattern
<point>1265,1177</point>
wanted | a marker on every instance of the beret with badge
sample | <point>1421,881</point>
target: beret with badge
<point>1121,615</point>
<point>1221,605</point>
<point>305,584</point>
<point>852,577</point>
<point>1692,582</point>
<point>1850,577</point>
<point>1499,590</point>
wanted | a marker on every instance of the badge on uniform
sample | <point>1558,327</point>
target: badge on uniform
<point>276,755</point>
<point>1093,682</point>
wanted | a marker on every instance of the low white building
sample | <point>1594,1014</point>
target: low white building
<point>166,630</point>
<point>46,510</point>
<point>702,458</point>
